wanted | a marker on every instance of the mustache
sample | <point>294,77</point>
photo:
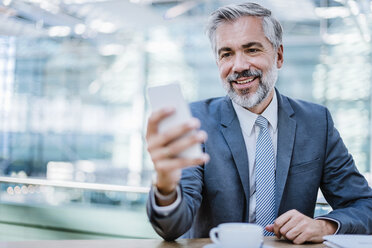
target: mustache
<point>246,73</point>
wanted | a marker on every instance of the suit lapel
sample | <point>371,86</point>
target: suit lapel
<point>286,137</point>
<point>232,133</point>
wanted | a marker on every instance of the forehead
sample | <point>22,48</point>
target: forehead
<point>241,31</point>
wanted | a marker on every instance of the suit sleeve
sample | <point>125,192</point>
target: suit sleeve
<point>180,220</point>
<point>345,189</point>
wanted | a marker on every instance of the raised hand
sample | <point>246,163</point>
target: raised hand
<point>164,148</point>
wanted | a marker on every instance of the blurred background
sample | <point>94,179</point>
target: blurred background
<point>73,106</point>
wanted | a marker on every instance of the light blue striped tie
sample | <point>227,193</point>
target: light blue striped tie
<point>265,176</point>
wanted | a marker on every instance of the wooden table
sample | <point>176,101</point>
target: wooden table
<point>138,243</point>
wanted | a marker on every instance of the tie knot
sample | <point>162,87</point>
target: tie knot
<point>261,121</point>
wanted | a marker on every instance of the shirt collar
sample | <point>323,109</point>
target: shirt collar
<point>247,118</point>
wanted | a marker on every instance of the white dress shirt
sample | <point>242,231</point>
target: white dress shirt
<point>250,132</point>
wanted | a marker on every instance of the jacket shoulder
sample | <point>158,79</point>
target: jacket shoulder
<point>304,108</point>
<point>208,108</point>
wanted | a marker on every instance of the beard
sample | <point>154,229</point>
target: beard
<point>249,99</point>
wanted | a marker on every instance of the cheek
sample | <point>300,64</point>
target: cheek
<point>224,69</point>
<point>265,65</point>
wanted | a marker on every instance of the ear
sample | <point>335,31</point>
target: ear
<point>280,58</point>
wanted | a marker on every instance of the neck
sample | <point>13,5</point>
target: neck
<point>258,109</point>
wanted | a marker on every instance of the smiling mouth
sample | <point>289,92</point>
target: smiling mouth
<point>244,81</point>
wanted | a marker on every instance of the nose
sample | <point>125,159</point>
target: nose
<point>241,63</point>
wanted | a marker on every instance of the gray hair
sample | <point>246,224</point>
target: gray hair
<point>229,13</point>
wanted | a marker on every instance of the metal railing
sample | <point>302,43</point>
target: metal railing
<point>92,186</point>
<point>76,185</point>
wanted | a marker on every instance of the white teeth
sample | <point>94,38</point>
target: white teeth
<point>245,81</point>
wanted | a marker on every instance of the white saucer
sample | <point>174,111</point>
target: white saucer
<point>218,246</point>
<point>212,246</point>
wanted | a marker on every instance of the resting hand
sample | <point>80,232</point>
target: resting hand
<point>164,148</point>
<point>299,228</point>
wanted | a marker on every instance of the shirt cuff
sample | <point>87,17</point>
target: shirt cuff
<point>166,210</point>
<point>330,219</point>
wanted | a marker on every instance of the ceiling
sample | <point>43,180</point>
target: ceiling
<point>92,19</point>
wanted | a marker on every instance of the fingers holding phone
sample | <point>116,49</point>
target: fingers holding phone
<point>164,149</point>
<point>173,138</point>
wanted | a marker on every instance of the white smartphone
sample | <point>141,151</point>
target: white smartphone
<point>170,95</point>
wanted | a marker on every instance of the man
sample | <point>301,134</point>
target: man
<point>267,154</point>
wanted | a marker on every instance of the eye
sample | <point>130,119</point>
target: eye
<point>225,55</point>
<point>252,50</point>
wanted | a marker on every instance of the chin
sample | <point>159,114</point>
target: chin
<point>249,100</point>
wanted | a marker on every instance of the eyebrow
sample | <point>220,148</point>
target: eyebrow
<point>248,45</point>
<point>253,44</point>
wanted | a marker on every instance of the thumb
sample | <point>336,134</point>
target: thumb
<point>270,228</point>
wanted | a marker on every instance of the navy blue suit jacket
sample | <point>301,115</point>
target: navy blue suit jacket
<point>310,155</point>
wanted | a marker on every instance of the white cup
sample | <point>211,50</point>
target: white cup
<point>237,235</point>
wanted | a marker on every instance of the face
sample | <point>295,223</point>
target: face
<point>247,61</point>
